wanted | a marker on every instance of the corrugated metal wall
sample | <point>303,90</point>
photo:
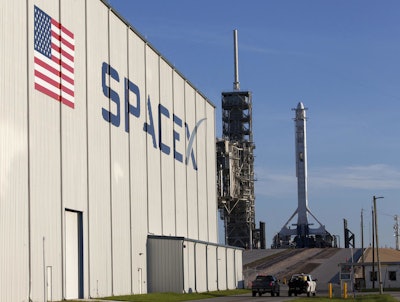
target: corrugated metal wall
<point>100,270</point>
<point>177,264</point>
<point>201,267</point>
<point>138,166</point>
<point>221,267</point>
<point>230,269</point>
<point>120,157</point>
<point>14,156</point>
<point>212,260</point>
<point>239,269</point>
<point>181,203</point>
<point>165,265</point>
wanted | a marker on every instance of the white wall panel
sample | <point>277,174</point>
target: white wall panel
<point>191,173</point>
<point>14,251</point>
<point>153,151</point>
<point>230,269</point>
<point>121,246</point>
<point>166,145</point>
<point>189,267</point>
<point>239,268</point>
<point>212,268</point>
<point>73,125</point>
<point>202,197</point>
<point>211,175</point>
<point>45,175</point>
<point>98,152</point>
<point>180,149</point>
<point>201,267</point>
<point>73,120</point>
<point>221,256</point>
<point>138,162</point>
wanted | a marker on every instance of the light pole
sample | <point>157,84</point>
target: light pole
<point>377,247</point>
<point>362,244</point>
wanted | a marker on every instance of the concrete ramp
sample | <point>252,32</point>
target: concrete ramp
<point>322,263</point>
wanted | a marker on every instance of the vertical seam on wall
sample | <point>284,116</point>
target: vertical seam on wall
<point>159,145</point>
<point>87,149</point>
<point>146,136</point>
<point>206,172</point>
<point>173,142</point>
<point>186,166</point>
<point>197,171</point>
<point>226,268</point>
<point>126,108</point>
<point>110,159</point>
<point>195,265</point>
<point>61,180</point>
<point>29,157</point>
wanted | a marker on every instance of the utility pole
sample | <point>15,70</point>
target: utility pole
<point>396,231</point>
<point>373,247</point>
<point>377,247</point>
<point>362,243</point>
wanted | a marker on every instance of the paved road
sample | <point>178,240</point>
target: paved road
<point>247,298</point>
<point>284,297</point>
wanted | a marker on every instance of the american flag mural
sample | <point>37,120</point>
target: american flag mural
<point>53,58</point>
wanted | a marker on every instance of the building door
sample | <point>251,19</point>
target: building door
<point>73,255</point>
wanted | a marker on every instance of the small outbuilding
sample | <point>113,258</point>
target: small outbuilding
<point>365,273</point>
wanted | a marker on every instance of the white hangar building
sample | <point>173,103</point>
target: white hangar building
<point>107,161</point>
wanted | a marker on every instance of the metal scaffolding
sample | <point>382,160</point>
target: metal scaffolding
<point>235,167</point>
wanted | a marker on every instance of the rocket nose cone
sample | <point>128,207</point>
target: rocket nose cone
<point>300,105</point>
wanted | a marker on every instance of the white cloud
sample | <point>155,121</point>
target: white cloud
<point>377,176</point>
<point>274,183</point>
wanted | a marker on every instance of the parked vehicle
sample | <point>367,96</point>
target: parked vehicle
<point>302,284</point>
<point>265,284</point>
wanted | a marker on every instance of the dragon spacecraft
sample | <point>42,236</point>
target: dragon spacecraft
<point>302,234</point>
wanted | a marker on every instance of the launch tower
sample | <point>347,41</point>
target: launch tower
<point>302,235</point>
<point>235,165</point>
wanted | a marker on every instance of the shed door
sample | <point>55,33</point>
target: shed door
<point>73,255</point>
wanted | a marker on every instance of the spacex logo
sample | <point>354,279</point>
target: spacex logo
<point>189,149</point>
<point>163,116</point>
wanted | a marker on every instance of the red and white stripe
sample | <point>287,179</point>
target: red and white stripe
<point>55,77</point>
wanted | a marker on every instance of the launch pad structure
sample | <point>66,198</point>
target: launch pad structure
<point>235,167</point>
<point>302,235</point>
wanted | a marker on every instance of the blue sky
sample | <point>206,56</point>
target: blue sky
<point>340,58</point>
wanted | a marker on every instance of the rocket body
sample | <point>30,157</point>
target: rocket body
<point>304,235</point>
<point>301,169</point>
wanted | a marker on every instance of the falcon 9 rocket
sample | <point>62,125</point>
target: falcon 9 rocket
<point>304,235</point>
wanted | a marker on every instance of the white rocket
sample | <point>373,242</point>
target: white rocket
<point>302,229</point>
<point>301,167</point>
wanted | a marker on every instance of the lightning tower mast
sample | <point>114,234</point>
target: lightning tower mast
<point>235,164</point>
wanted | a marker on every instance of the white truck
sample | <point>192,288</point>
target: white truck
<point>302,284</point>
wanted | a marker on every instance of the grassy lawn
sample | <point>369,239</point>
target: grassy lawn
<point>363,298</point>
<point>178,297</point>
<point>197,296</point>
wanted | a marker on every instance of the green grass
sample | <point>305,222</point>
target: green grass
<point>362,298</point>
<point>175,297</point>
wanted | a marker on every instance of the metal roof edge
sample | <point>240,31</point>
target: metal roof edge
<point>105,2</point>
<point>192,240</point>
